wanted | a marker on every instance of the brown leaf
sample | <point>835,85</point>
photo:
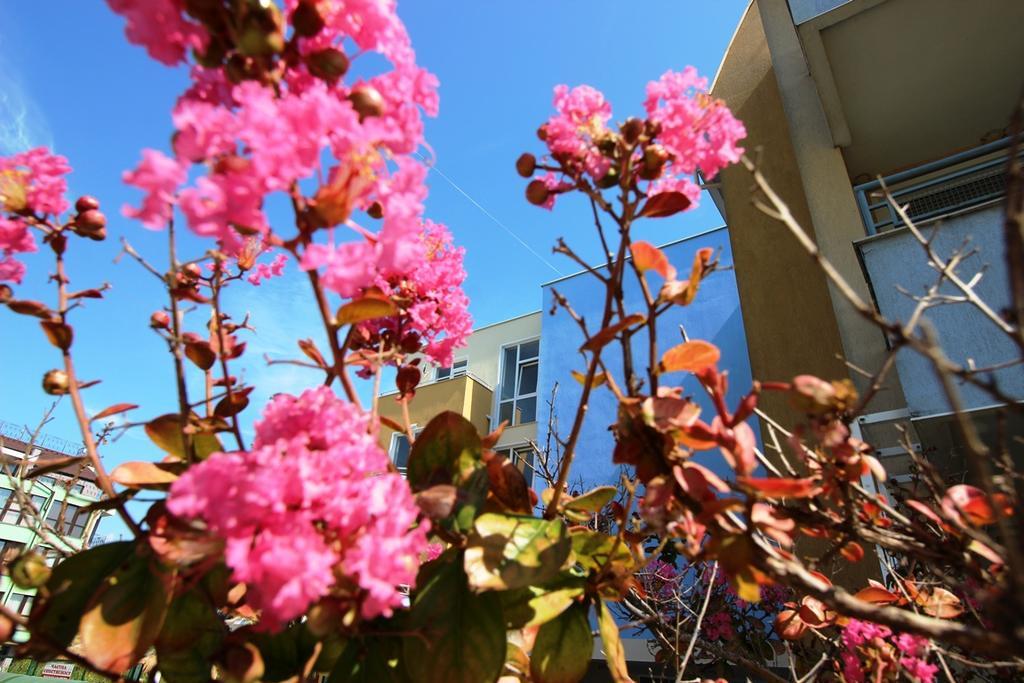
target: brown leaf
<point>603,337</point>
<point>26,307</point>
<point>690,356</point>
<point>437,502</point>
<point>491,439</point>
<point>87,294</point>
<point>233,404</point>
<point>508,486</point>
<point>940,603</point>
<point>598,379</point>
<point>877,595</point>
<point>407,379</point>
<point>366,308</point>
<point>852,551</point>
<point>139,474</point>
<point>789,625</point>
<point>114,410</point>
<point>201,353</point>
<point>665,204</point>
<point>59,334</point>
<point>312,352</point>
<point>646,257</point>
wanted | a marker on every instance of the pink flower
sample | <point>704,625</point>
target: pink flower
<point>225,206</point>
<point>34,180</point>
<point>265,271</point>
<point>15,237</point>
<point>160,27</point>
<point>310,502</point>
<point>159,176</point>
<point>581,120</point>
<point>698,130</point>
<point>718,626</point>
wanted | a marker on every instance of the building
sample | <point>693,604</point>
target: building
<point>836,93</point>
<point>493,379</point>
<point>60,497</point>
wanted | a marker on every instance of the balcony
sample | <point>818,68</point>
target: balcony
<point>953,201</point>
<point>465,394</point>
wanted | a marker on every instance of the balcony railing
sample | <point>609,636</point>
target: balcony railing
<point>961,181</point>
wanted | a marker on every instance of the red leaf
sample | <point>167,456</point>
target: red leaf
<point>974,504</point>
<point>789,626</point>
<point>665,204</point>
<point>114,410</point>
<point>777,487</point>
<point>646,257</point>
<point>691,356</point>
<point>877,595</point>
<point>852,551</point>
<point>603,337</point>
<point>201,353</point>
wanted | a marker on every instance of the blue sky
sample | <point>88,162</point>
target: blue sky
<point>68,79</point>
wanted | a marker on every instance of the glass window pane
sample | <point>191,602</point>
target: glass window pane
<point>443,373</point>
<point>526,410</point>
<point>527,379</point>
<point>12,513</point>
<point>459,368</point>
<point>401,454</point>
<point>505,412</point>
<point>529,349</point>
<point>508,374</point>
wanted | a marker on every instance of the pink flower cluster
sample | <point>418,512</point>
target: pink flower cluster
<point>158,25</point>
<point>311,506</point>
<point>31,182</point>
<point>864,637</point>
<point>265,271</point>
<point>718,626</point>
<point>694,130</point>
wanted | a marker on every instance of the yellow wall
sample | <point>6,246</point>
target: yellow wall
<point>462,395</point>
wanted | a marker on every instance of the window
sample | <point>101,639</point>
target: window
<point>9,551</point>
<point>20,603</point>
<point>47,480</point>
<point>400,449</point>
<point>521,457</point>
<point>458,369</point>
<point>12,513</point>
<point>518,398</point>
<point>73,523</point>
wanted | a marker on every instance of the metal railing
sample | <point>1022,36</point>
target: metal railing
<point>18,432</point>
<point>943,187</point>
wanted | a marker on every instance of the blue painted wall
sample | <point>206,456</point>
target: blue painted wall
<point>715,317</point>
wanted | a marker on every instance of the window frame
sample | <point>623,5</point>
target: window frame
<point>530,466</point>
<point>458,368</point>
<point>516,396</point>
<point>392,446</point>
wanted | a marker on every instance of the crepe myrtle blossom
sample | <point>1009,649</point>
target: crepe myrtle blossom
<point>284,509</point>
<point>686,131</point>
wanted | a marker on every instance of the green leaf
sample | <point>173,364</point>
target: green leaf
<point>593,549</point>
<point>288,653</point>
<point>192,634</point>
<point>165,432</point>
<point>513,551</point>
<point>447,451</point>
<point>535,605</point>
<point>462,633</point>
<point>69,589</point>
<point>124,617</point>
<point>370,660</point>
<point>593,500</point>
<point>562,651</point>
<point>613,652</point>
<point>470,500</point>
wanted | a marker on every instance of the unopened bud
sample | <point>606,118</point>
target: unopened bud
<point>159,320</point>
<point>56,383</point>
<point>328,65</point>
<point>610,179</point>
<point>655,157</point>
<point>29,570</point>
<point>91,224</point>
<point>607,144</point>
<point>307,20</point>
<point>375,210</point>
<point>526,164</point>
<point>631,129</point>
<point>537,192</point>
<point>213,56</point>
<point>6,293</point>
<point>542,133</point>
<point>192,271</point>
<point>258,40</point>
<point>86,203</point>
<point>366,101</point>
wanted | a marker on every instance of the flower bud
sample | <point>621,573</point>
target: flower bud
<point>366,101</point>
<point>56,383</point>
<point>256,41</point>
<point>214,55</point>
<point>192,271</point>
<point>5,294</point>
<point>29,570</point>
<point>526,164</point>
<point>307,20</point>
<point>328,65</point>
<point>655,158</point>
<point>631,130</point>
<point>542,133</point>
<point>86,203</point>
<point>91,224</point>
<point>610,179</point>
<point>375,210</point>
<point>537,192</point>
<point>160,320</point>
<point>607,144</point>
